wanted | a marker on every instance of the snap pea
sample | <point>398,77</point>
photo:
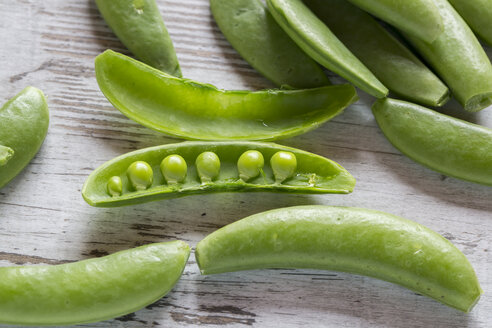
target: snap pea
<point>139,25</point>
<point>322,45</point>
<point>253,32</point>
<point>390,61</point>
<point>91,290</point>
<point>478,15</point>
<point>445,144</point>
<point>218,170</point>
<point>192,110</point>
<point>459,59</point>
<point>24,122</point>
<point>354,240</point>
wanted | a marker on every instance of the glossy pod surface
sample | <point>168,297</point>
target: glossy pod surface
<point>322,45</point>
<point>445,144</point>
<point>91,290</point>
<point>139,25</point>
<point>24,123</point>
<point>478,15</point>
<point>390,61</point>
<point>193,110</point>
<point>253,32</point>
<point>345,239</point>
<point>459,59</point>
<point>312,174</point>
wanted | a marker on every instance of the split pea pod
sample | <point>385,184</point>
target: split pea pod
<point>478,15</point>
<point>91,290</point>
<point>390,61</point>
<point>316,39</point>
<point>253,32</point>
<point>459,59</point>
<point>194,110</point>
<point>445,144</point>
<point>354,240</point>
<point>24,122</point>
<point>206,167</point>
<point>139,25</point>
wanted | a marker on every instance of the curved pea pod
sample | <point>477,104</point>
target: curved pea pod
<point>445,144</point>
<point>322,45</point>
<point>24,122</point>
<point>91,290</point>
<point>459,59</point>
<point>478,15</point>
<point>219,173</point>
<point>419,18</point>
<point>193,110</point>
<point>139,25</point>
<point>390,61</point>
<point>253,32</point>
<point>354,240</point>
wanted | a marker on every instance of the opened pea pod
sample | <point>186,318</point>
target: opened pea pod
<point>176,170</point>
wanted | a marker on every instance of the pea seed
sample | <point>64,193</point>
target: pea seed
<point>207,166</point>
<point>115,186</point>
<point>250,164</point>
<point>140,175</point>
<point>174,169</point>
<point>284,165</point>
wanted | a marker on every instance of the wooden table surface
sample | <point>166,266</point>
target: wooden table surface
<point>51,44</point>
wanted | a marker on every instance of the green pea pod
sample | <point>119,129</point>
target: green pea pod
<point>345,239</point>
<point>419,18</point>
<point>445,144</point>
<point>24,122</point>
<point>459,59</point>
<point>139,25</point>
<point>193,110</point>
<point>91,290</point>
<point>478,15</point>
<point>312,35</point>
<point>253,32</point>
<point>390,61</point>
<point>312,173</point>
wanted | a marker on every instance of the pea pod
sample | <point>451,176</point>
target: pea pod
<point>24,122</point>
<point>345,239</point>
<point>459,59</point>
<point>445,144</point>
<point>139,25</point>
<point>221,170</point>
<point>312,36</point>
<point>91,290</point>
<point>192,110</point>
<point>478,15</point>
<point>390,61</point>
<point>253,32</point>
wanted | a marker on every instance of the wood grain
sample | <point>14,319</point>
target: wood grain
<point>51,44</point>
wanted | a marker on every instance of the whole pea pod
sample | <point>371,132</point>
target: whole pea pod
<point>194,110</point>
<point>24,122</point>
<point>459,59</point>
<point>354,240</point>
<point>139,25</point>
<point>91,290</point>
<point>188,168</point>
<point>478,15</point>
<point>253,32</point>
<point>445,144</point>
<point>322,45</point>
<point>390,61</point>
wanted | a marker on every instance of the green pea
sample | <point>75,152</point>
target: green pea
<point>140,175</point>
<point>174,169</point>
<point>115,186</point>
<point>250,164</point>
<point>284,165</point>
<point>207,166</point>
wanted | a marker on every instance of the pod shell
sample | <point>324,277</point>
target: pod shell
<point>345,239</point>
<point>315,174</point>
<point>24,122</point>
<point>253,32</point>
<point>192,110</point>
<point>445,144</point>
<point>139,25</point>
<point>478,15</point>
